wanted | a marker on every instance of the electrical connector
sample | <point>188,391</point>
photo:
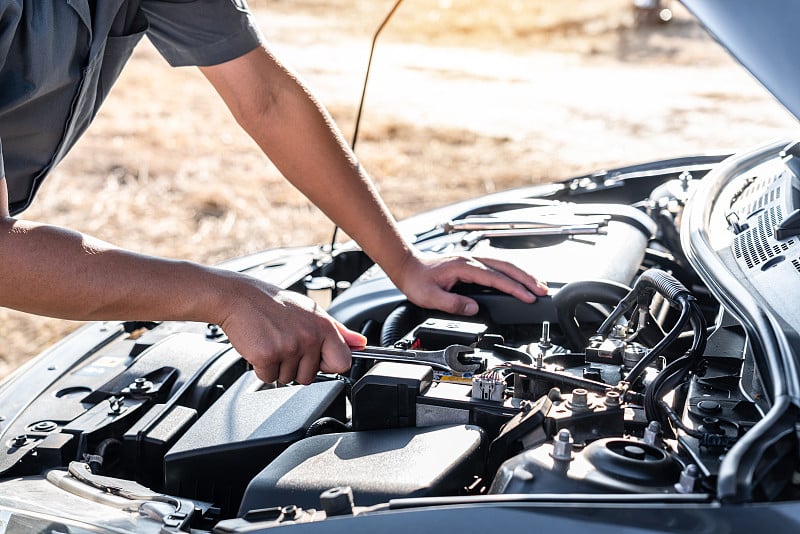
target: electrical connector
<point>488,387</point>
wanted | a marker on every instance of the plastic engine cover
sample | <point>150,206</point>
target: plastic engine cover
<point>613,253</point>
<point>378,465</point>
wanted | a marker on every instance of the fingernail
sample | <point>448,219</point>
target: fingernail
<point>471,308</point>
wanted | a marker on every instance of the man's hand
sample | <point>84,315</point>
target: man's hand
<point>286,336</point>
<point>427,281</point>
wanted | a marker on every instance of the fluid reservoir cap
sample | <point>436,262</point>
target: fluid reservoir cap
<point>709,406</point>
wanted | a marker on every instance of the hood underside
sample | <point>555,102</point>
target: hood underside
<point>761,36</point>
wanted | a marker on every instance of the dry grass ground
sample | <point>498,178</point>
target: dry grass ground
<point>468,97</point>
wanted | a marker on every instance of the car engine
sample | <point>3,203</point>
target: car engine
<point>627,378</point>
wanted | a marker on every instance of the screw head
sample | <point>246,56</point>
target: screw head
<point>44,426</point>
<point>140,385</point>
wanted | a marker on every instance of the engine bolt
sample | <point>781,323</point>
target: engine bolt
<point>544,344</point>
<point>554,395</point>
<point>562,446</point>
<point>115,405</point>
<point>612,400</point>
<point>652,434</point>
<point>19,441</point>
<point>688,480</point>
<point>140,385</point>
<point>711,425</point>
<point>337,501</point>
<point>634,452</point>
<point>633,353</point>
<point>618,331</point>
<point>580,400</point>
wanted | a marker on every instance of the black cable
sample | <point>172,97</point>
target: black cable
<point>669,378</point>
<point>326,425</point>
<point>675,419</point>
<point>672,335</point>
<point>675,373</point>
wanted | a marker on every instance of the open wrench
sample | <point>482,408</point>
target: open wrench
<point>445,359</point>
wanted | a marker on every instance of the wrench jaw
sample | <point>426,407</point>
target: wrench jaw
<point>453,359</point>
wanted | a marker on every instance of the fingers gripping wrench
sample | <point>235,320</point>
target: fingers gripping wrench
<point>449,359</point>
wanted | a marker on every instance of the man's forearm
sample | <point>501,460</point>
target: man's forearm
<point>300,139</point>
<point>60,273</point>
<point>52,271</point>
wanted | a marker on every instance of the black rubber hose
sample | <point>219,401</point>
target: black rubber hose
<point>650,281</point>
<point>398,323</point>
<point>664,283</point>
<point>97,459</point>
<point>326,425</point>
<point>569,297</point>
<point>670,235</point>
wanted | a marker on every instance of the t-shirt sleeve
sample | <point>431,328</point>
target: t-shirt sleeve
<point>201,32</point>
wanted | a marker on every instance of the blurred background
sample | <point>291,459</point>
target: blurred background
<point>467,97</point>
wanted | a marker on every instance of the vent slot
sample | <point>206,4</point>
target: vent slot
<point>756,245</point>
<point>757,195</point>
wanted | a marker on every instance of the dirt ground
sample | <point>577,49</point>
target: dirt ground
<point>466,97</point>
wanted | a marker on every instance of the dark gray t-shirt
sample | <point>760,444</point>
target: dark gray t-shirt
<point>59,59</point>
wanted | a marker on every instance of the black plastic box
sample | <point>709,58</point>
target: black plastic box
<point>244,430</point>
<point>386,397</point>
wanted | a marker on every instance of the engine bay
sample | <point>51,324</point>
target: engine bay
<point>628,378</point>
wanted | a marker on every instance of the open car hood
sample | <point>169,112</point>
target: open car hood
<point>761,36</point>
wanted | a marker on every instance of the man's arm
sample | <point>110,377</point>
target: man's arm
<point>297,134</point>
<point>56,272</point>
